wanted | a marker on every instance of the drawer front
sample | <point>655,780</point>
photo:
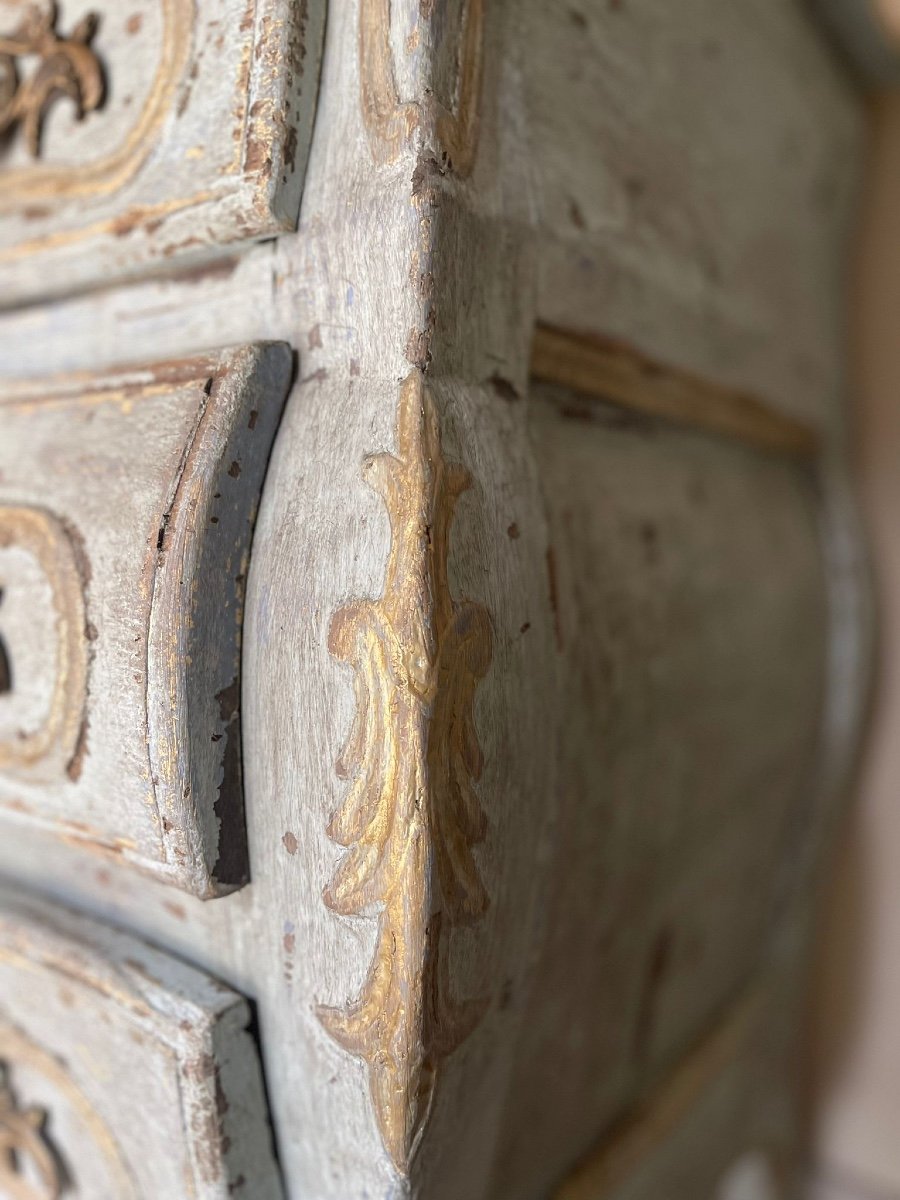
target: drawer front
<point>127,504</point>
<point>125,1074</point>
<point>195,124</point>
<point>686,579</point>
<point>721,1124</point>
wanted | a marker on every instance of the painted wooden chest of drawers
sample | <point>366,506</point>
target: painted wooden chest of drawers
<point>432,632</point>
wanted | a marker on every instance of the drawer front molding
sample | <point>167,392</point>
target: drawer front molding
<point>411,815</point>
<point>128,1073</point>
<point>68,67</point>
<point>122,613</point>
<point>616,373</point>
<point>203,148</point>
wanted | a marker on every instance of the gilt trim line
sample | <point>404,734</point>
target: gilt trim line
<point>411,815</point>
<point>61,733</point>
<point>612,371</point>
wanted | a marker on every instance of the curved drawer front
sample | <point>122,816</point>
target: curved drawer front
<point>194,125</point>
<point>126,1075</point>
<point>720,1124</point>
<point>127,504</point>
<point>691,616</point>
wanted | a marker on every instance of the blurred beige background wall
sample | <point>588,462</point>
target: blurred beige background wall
<point>858,994</point>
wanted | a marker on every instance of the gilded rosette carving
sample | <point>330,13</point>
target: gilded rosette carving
<point>411,816</point>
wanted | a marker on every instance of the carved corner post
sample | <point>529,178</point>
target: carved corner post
<point>411,816</point>
<point>404,711</point>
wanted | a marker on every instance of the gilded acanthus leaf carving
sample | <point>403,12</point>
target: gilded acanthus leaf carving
<point>29,1168</point>
<point>67,66</point>
<point>411,816</point>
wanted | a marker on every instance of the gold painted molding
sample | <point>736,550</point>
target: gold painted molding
<point>390,121</point>
<point>411,815</point>
<point>616,373</point>
<point>60,736</point>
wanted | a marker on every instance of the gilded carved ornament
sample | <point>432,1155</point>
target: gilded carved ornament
<point>67,66</point>
<point>392,121</point>
<point>29,1167</point>
<point>411,815</point>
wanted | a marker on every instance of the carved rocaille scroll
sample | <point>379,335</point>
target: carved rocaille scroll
<point>67,66</point>
<point>411,816</point>
<point>24,1147</point>
<point>391,121</point>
